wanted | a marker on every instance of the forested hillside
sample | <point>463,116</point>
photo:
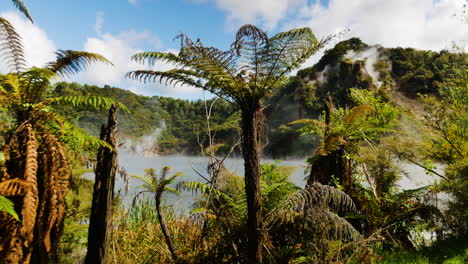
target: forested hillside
<point>395,74</point>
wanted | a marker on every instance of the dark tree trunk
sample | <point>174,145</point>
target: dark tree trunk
<point>251,121</point>
<point>101,213</point>
<point>162,223</point>
<point>334,163</point>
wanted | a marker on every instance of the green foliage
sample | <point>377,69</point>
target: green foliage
<point>79,201</point>
<point>364,123</point>
<point>253,66</point>
<point>89,101</point>
<point>152,183</point>
<point>443,252</point>
<point>447,119</point>
<point>423,71</point>
<point>8,207</point>
<point>276,184</point>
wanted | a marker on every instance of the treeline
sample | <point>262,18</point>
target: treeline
<point>179,119</point>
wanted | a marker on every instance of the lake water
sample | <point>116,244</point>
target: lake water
<point>135,164</point>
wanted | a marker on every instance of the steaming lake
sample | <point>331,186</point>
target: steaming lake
<point>135,164</point>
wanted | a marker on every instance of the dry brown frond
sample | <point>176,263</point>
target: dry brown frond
<point>14,187</point>
<point>31,198</point>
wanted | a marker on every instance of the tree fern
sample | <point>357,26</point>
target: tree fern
<point>253,66</point>
<point>39,136</point>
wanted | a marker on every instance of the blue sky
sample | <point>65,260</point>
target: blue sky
<point>120,28</point>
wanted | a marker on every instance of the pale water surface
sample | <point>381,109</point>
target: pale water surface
<point>135,164</point>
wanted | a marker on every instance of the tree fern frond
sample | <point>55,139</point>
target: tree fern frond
<point>357,113</point>
<point>330,143</point>
<point>11,45</point>
<point>204,189</point>
<point>71,62</point>
<point>152,57</point>
<point>249,35</point>
<point>14,187</point>
<point>169,77</point>
<point>85,102</point>
<point>287,51</point>
<point>316,196</point>
<point>34,82</point>
<point>81,137</point>
<point>330,224</point>
<point>8,207</point>
<point>310,126</point>
<point>22,8</point>
<point>315,210</point>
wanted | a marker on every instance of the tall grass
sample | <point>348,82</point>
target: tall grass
<point>137,235</point>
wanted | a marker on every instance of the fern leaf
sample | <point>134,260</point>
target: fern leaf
<point>85,102</point>
<point>152,57</point>
<point>356,114</point>
<point>12,48</point>
<point>8,207</point>
<point>22,8</point>
<point>71,62</point>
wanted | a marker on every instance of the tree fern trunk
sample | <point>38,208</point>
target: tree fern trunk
<point>164,229</point>
<point>251,151</point>
<point>101,213</point>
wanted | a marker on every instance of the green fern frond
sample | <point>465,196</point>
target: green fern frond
<point>71,62</point>
<point>12,53</point>
<point>169,77</point>
<point>75,136</point>
<point>86,102</point>
<point>11,83</point>
<point>356,114</point>
<point>315,196</point>
<point>22,8</point>
<point>309,126</point>
<point>34,82</point>
<point>8,207</point>
<point>152,57</point>
<point>204,189</point>
<point>316,207</point>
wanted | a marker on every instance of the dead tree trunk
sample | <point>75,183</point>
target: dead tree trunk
<point>101,213</point>
<point>251,119</point>
<point>332,164</point>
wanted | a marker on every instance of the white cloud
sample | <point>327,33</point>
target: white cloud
<point>423,24</point>
<point>38,48</point>
<point>119,49</point>
<point>265,13</point>
<point>133,2</point>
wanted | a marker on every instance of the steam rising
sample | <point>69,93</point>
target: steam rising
<point>145,145</point>
<point>370,56</point>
